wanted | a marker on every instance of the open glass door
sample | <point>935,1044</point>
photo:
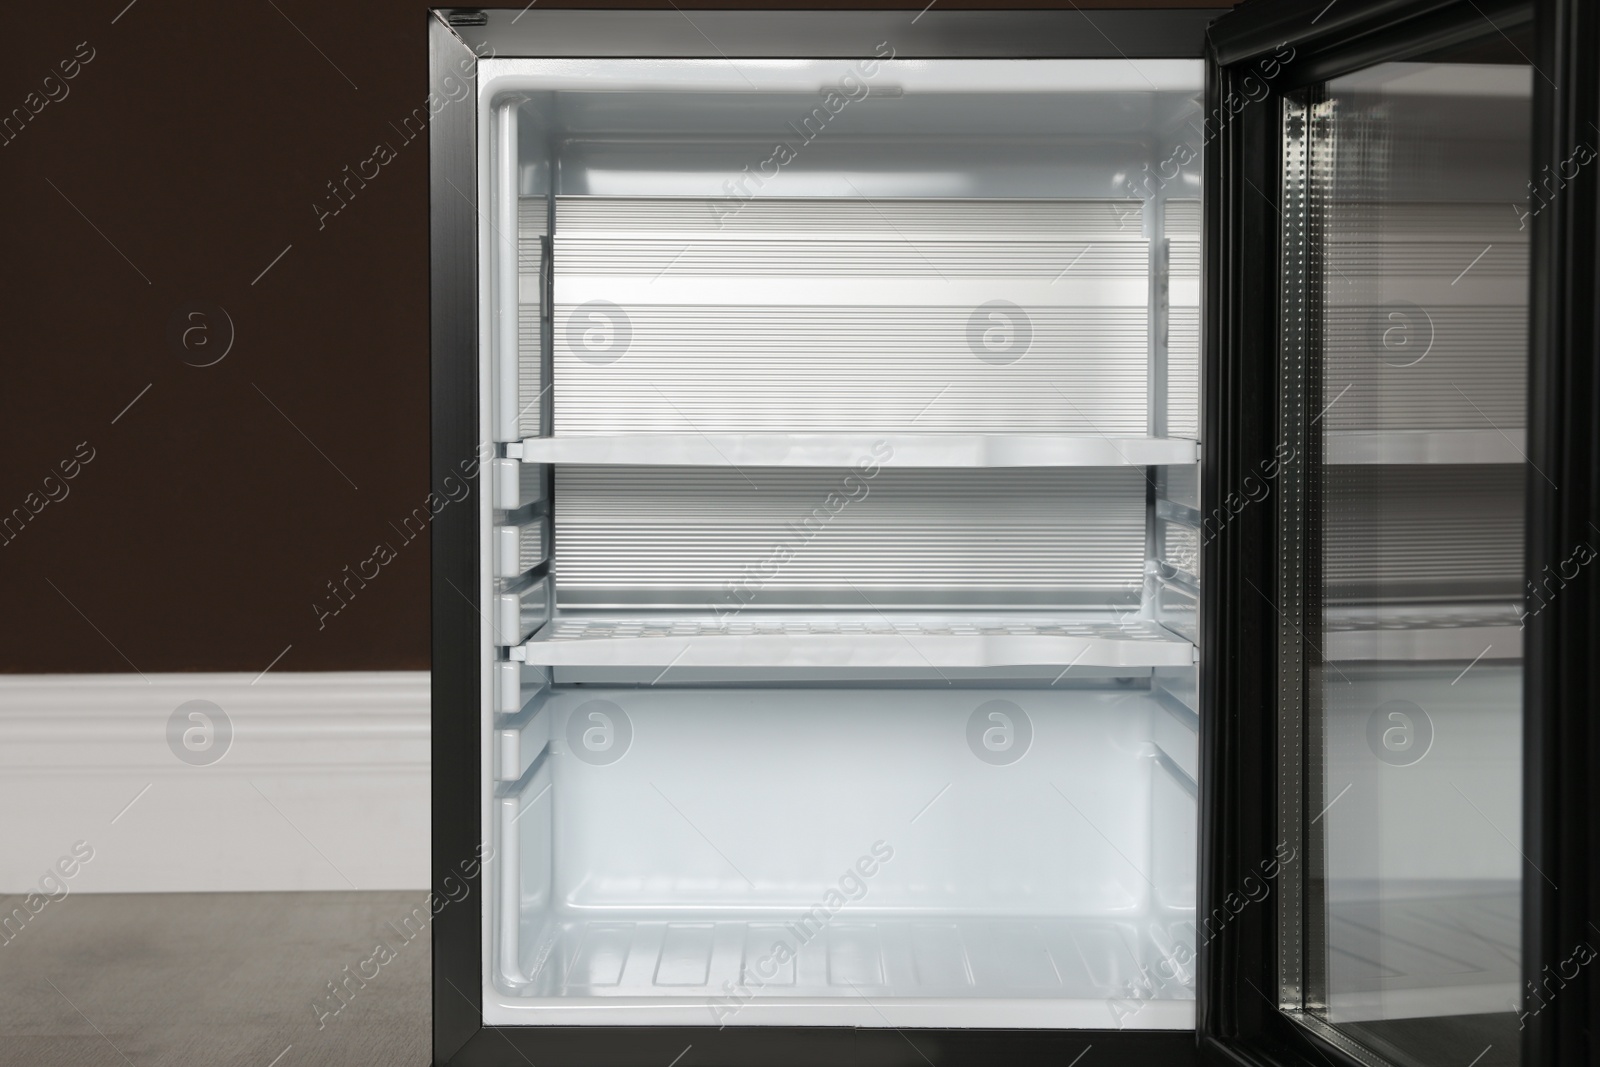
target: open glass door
<point>1368,517</point>
<point>1405,344</point>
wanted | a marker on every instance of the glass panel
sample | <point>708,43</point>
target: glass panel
<point>1417,190</point>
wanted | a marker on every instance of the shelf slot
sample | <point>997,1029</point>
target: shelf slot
<point>520,740</point>
<point>519,612</point>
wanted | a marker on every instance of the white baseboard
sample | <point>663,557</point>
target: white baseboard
<point>324,784</point>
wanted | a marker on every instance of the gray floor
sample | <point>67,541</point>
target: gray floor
<point>170,980</point>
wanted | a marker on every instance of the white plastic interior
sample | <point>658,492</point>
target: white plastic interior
<point>766,855</point>
<point>864,815</point>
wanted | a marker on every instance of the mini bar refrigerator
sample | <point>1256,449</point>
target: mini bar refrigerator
<point>1013,536</point>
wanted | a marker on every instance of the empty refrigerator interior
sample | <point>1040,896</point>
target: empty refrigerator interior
<point>842,547</point>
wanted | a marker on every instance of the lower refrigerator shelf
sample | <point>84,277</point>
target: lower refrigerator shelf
<point>855,640</point>
<point>928,970</point>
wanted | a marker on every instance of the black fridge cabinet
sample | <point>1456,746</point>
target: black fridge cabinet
<point>1017,536</point>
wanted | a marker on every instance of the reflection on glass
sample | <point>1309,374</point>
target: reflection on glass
<point>1423,180</point>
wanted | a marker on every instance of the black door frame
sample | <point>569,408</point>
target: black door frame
<point>1238,1020</point>
<point>1561,745</point>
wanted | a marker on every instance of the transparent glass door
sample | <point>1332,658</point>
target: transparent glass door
<point>1406,208</point>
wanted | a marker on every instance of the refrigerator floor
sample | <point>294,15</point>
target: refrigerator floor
<point>870,970</point>
<point>1453,954</point>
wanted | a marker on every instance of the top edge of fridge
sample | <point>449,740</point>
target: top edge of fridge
<point>1113,34</point>
<point>881,74</point>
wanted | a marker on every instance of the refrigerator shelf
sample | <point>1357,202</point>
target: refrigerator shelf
<point>1451,633</point>
<point>855,640</point>
<point>943,450</point>
<point>1427,446</point>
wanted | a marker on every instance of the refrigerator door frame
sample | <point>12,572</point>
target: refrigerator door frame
<point>455,642</point>
<point>1561,744</point>
<point>1259,54</point>
<point>457,38</point>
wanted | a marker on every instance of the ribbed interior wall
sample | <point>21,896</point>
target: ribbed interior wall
<point>773,538</point>
<point>1411,532</point>
<point>845,217</point>
<point>532,223</point>
<point>842,315</point>
<point>1474,378</point>
<point>1183,372</point>
<point>1183,320</point>
<point>1426,317</point>
<point>528,370</point>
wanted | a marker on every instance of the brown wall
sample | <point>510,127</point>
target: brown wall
<point>182,157</point>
